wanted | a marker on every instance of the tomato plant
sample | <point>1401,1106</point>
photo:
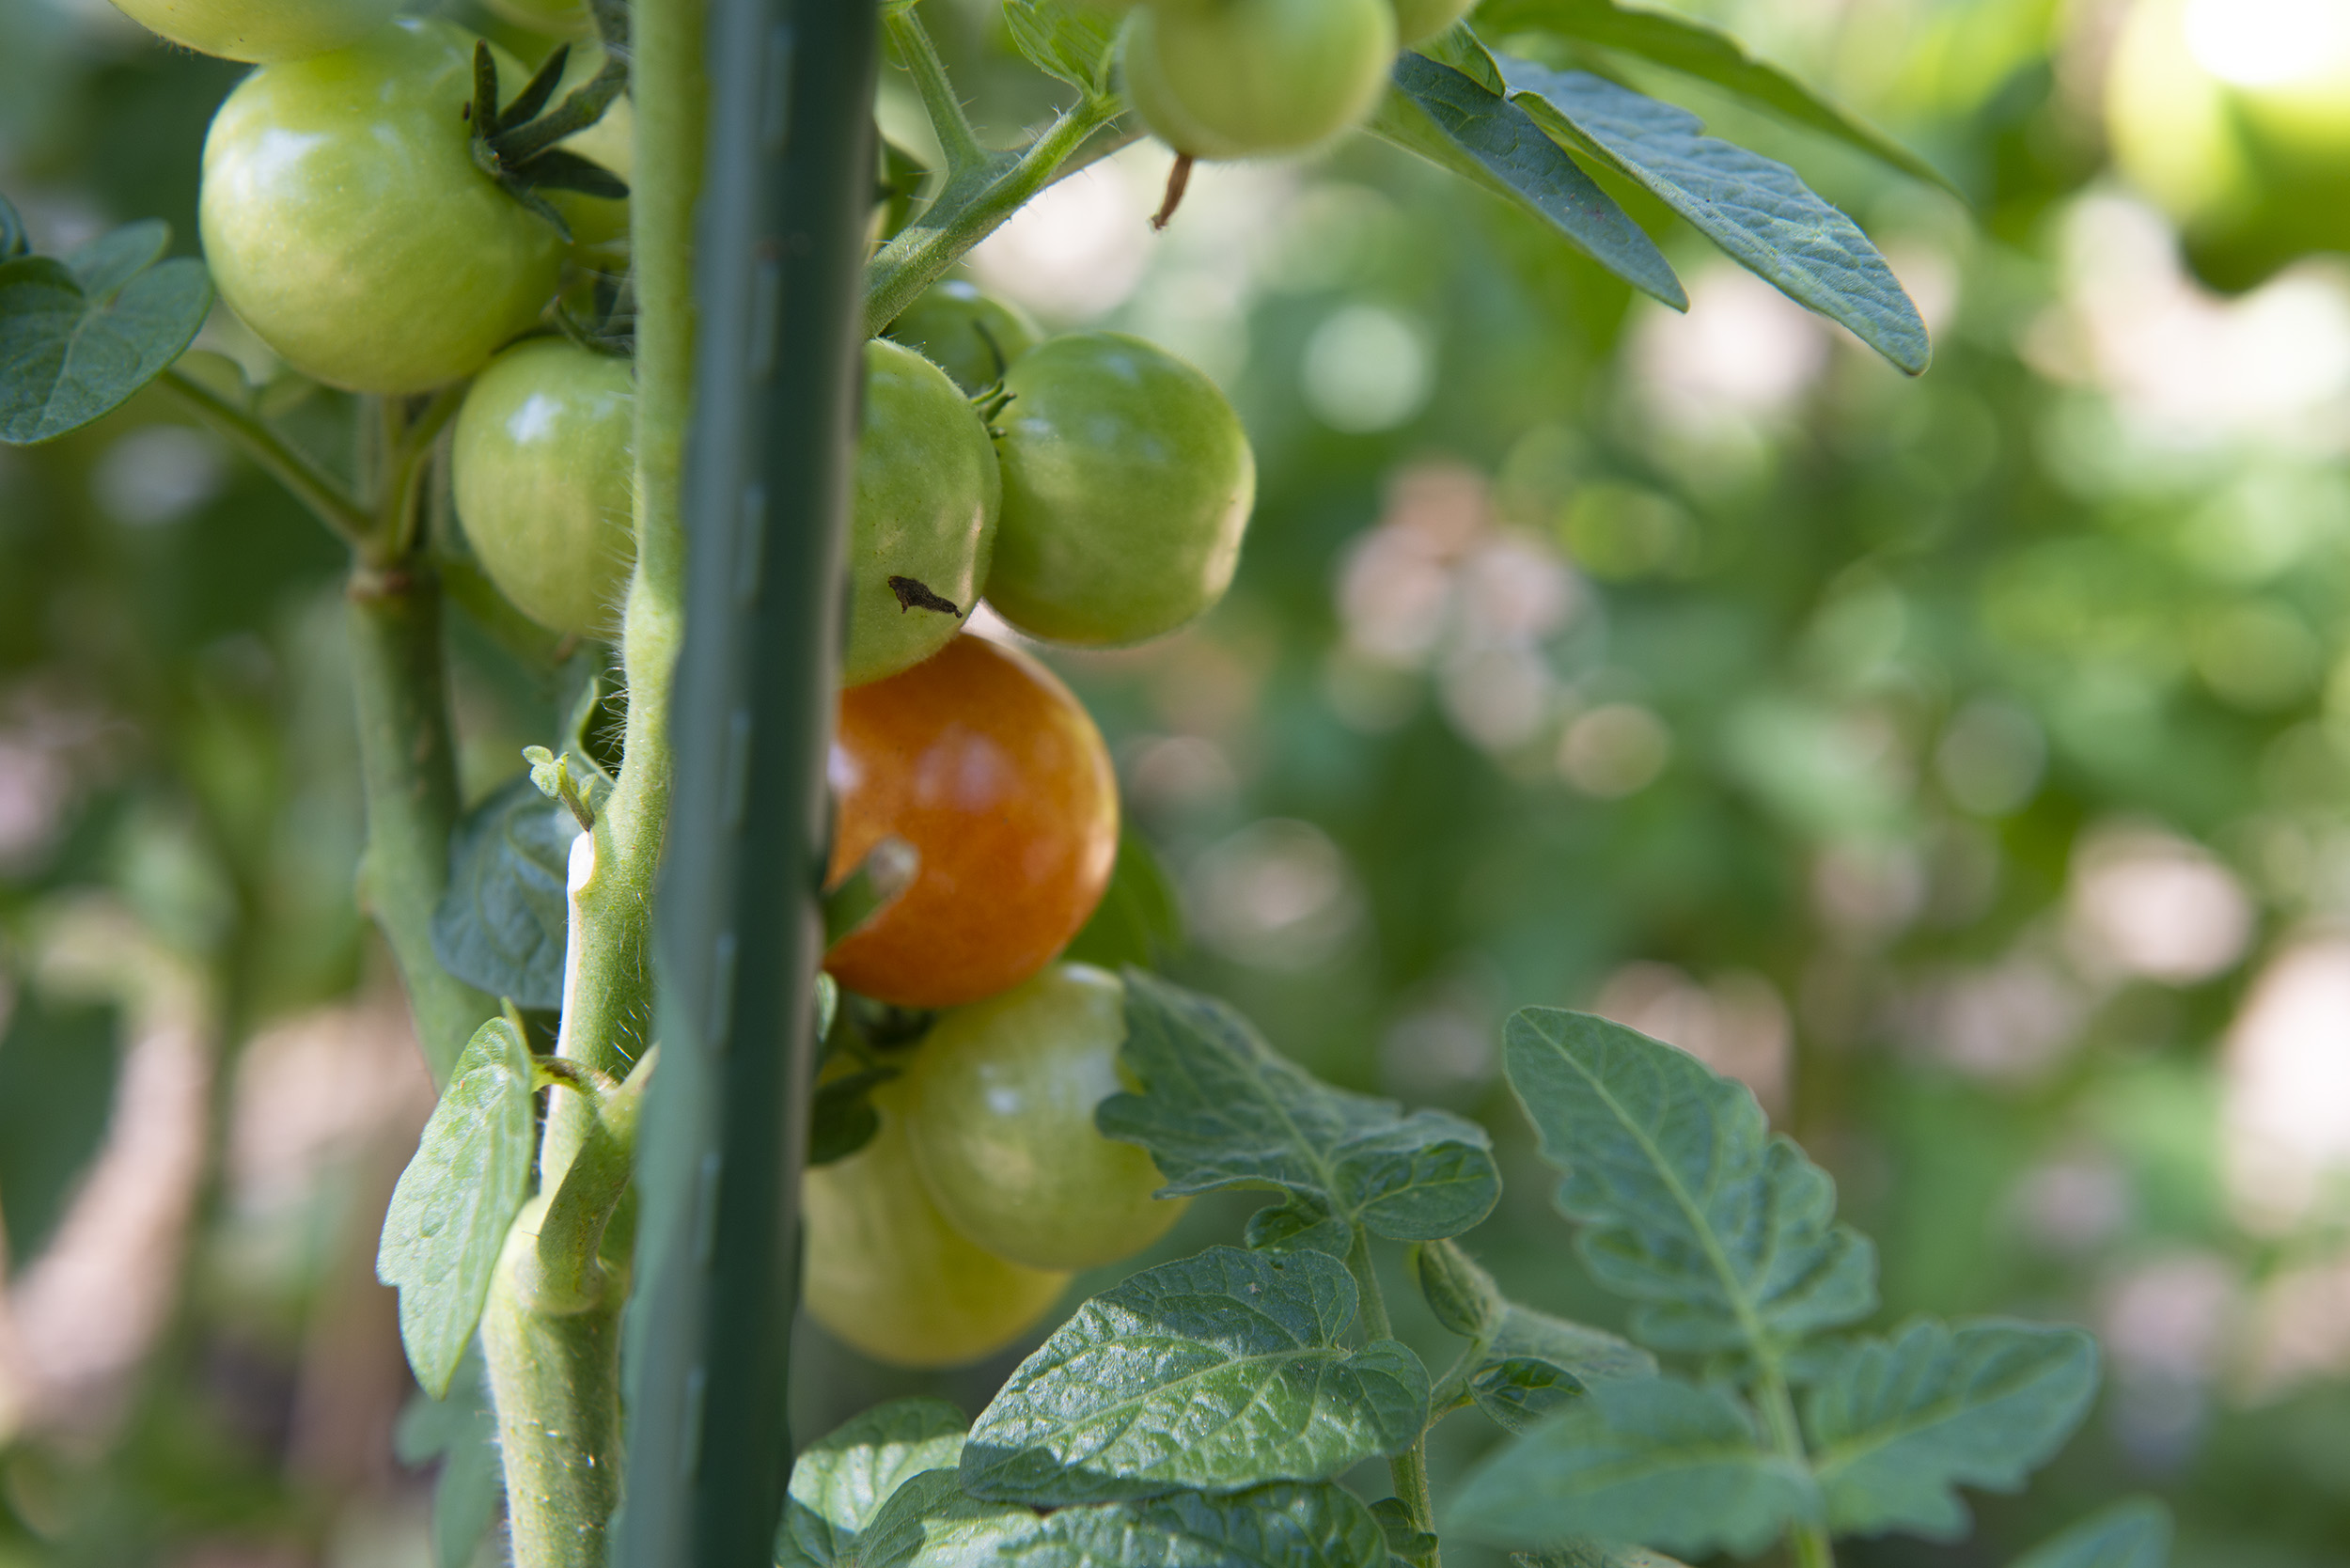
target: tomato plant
<point>998,1110</point>
<point>982,761</point>
<point>923,521</point>
<point>542,468</point>
<point>345,220</point>
<point>1127,485</point>
<point>855,1001</point>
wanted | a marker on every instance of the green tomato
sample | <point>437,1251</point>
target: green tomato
<point>972,336</point>
<point>1127,486</point>
<point>999,1114</point>
<point>1417,20</point>
<point>924,526</point>
<point>346,223</point>
<point>2239,126</point>
<point>1242,78</point>
<point>544,477</point>
<point>261,29</point>
<point>564,18</point>
<point>889,1275</point>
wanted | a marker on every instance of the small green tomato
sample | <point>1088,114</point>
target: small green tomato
<point>999,1114</point>
<point>1246,78</point>
<point>1127,486</point>
<point>544,474</point>
<point>1417,20</point>
<point>261,29</point>
<point>346,223</point>
<point>973,336</point>
<point>923,527</point>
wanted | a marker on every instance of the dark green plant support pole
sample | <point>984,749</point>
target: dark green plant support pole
<point>786,193</point>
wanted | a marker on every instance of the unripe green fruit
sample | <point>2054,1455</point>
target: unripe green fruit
<point>999,1113</point>
<point>544,477</point>
<point>923,529</point>
<point>887,1274</point>
<point>563,18</point>
<point>346,223</point>
<point>1127,486</point>
<point>1243,78</point>
<point>1417,20</point>
<point>261,29</point>
<point>972,336</point>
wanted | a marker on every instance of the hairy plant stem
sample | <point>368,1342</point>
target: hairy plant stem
<point>956,138</point>
<point>551,1335</point>
<point>1809,1542</point>
<point>974,202</point>
<point>1408,1469</point>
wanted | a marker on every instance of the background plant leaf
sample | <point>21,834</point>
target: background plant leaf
<point>1457,124</point>
<point>2131,1534</point>
<point>1655,1461</point>
<point>1216,1372</point>
<point>1218,1108</point>
<point>500,925</point>
<point>1694,48</point>
<point>1070,40</point>
<point>462,1431</point>
<point>1724,1234</point>
<point>58,1068</point>
<point>1756,209</point>
<point>840,1483</point>
<point>1138,920</point>
<point>78,337</point>
<point>450,1211</point>
<point>1902,1422</point>
<point>1594,1554</point>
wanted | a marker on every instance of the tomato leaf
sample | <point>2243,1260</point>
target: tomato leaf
<point>1222,1370</point>
<point>450,1211</point>
<point>1723,1234</point>
<point>58,1067</point>
<point>79,336</point>
<point>1138,920</point>
<point>1898,1423</point>
<point>461,1431</point>
<point>1594,1554</point>
<point>1303,1223</point>
<point>1218,1108</point>
<point>500,924</point>
<point>1458,124</point>
<point>1069,39</point>
<point>1756,209</point>
<point>2131,1534</point>
<point>841,1118</point>
<point>1694,48</point>
<point>1658,1462</point>
<point>1281,1526</point>
<point>1406,1542</point>
<point>839,1485</point>
<point>1522,1364</point>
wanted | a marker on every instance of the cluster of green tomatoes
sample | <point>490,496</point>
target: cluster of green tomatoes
<point>1091,487</point>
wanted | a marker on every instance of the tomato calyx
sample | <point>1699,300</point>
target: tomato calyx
<point>516,145</point>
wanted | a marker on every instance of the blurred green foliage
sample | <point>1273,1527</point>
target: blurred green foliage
<point>1963,761</point>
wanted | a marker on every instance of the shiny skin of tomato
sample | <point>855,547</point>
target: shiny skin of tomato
<point>982,761</point>
<point>261,29</point>
<point>999,1113</point>
<point>1128,482</point>
<point>922,528</point>
<point>563,18</point>
<point>971,336</point>
<point>1246,78</point>
<point>542,463</point>
<point>887,1273</point>
<point>346,224</point>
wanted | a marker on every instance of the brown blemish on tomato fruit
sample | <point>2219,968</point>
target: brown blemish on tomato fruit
<point>915,595</point>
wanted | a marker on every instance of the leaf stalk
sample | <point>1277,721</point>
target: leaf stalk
<point>1409,1469</point>
<point>956,138</point>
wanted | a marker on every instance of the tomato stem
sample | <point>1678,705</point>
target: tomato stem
<point>919,56</point>
<point>1408,1469</point>
<point>302,478</point>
